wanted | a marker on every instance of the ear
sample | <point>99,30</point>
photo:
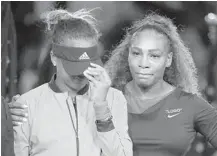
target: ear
<point>169,59</point>
<point>53,58</point>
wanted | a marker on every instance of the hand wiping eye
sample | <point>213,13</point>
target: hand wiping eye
<point>100,80</point>
<point>92,73</point>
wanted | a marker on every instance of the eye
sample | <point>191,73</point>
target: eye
<point>155,56</point>
<point>135,53</point>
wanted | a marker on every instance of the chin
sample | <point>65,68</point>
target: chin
<point>77,84</point>
<point>144,83</point>
<point>76,87</point>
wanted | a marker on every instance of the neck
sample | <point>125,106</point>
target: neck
<point>64,88</point>
<point>149,92</point>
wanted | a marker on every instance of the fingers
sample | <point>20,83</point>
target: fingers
<point>96,73</point>
<point>18,120</point>
<point>17,105</point>
<point>16,123</point>
<point>14,98</point>
<point>19,112</point>
<point>96,65</point>
<point>93,72</point>
<point>101,72</point>
<point>88,75</point>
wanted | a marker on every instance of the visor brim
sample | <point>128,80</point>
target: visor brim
<point>77,68</point>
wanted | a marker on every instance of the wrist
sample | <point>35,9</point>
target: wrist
<point>107,119</point>
<point>105,126</point>
<point>102,111</point>
<point>101,95</point>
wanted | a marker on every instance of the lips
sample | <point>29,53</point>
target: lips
<point>144,75</point>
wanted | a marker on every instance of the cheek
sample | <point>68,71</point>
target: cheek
<point>61,71</point>
<point>85,81</point>
<point>132,64</point>
<point>159,67</point>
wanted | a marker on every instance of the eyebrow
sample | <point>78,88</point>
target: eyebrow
<point>149,50</point>
<point>136,48</point>
<point>154,50</point>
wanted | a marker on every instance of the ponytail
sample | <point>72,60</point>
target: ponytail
<point>53,17</point>
<point>62,24</point>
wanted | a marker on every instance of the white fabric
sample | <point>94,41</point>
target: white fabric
<point>49,130</point>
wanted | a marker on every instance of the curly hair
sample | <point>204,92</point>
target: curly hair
<point>182,72</point>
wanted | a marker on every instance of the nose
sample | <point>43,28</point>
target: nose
<point>144,62</point>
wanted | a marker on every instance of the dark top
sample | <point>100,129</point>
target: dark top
<point>169,127</point>
<point>7,137</point>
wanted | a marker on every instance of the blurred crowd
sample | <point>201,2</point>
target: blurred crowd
<point>25,50</point>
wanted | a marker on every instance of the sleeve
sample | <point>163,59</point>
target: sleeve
<point>21,136</point>
<point>6,131</point>
<point>205,120</point>
<point>115,141</point>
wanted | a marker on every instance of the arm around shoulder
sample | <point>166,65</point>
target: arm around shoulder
<point>6,130</point>
<point>21,136</point>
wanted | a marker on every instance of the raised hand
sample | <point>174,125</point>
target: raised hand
<point>99,80</point>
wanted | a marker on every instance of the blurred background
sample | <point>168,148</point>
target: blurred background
<point>25,61</point>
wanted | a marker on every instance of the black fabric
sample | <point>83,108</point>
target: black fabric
<point>105,126</point>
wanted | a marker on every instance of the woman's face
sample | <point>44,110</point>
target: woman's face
<point>149,55</point>
<point>72,82</point>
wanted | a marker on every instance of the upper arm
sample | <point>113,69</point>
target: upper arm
<point>205,120</point>
<point>21,136</point>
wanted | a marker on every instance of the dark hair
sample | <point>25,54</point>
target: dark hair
<point>182,73</point>
<point>63,25</point>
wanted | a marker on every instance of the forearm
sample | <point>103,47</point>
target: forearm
<point>111,141</point>
<point>114,143</point>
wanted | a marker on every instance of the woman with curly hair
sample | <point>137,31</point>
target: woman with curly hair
<point>158,76</point>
